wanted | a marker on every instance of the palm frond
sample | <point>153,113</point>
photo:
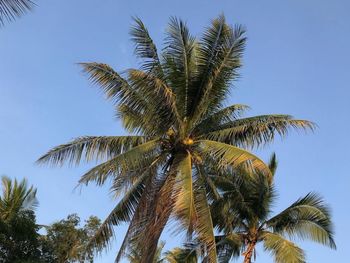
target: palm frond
<point>284,251</point>
<point>136,158</point>
<point>90,148</point>
<point>307,218</point>
<point>12,9</point>
<point>179,54</point>
<point>220,117</point>
<point>157,93</point>
<point>256,131</point>
<point>123,212</point>
<point>145,47</point>
<point>219,58</point>
<point>228,155</point>
<point>184,207</point>
<point>204,225</point>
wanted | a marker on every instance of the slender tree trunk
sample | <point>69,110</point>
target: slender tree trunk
<point>164,204</point>
<point>249,252</point>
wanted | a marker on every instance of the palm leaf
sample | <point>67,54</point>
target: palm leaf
<point>283,250</point>
<point>134,159</point>
<point>90,148</point>
<point>204,225</point>
<point>184,194</point>
<point>180,65</point>
<point>123,212</point>
<point>228,155</point>
<point>12,9</point>
<point>255,131</point>
<point>145,47</point>
<point>308,218</point>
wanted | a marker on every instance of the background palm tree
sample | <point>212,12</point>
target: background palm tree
<point>174,107</point>
<point>11,9</point>
<point>242,214</point>
<point>187,254</point>
<point>16,197</point>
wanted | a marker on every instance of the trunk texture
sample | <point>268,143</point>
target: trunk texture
<point>249,253</point>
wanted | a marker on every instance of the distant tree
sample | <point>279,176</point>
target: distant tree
<point>19,239</point>
<point>12,9</point>
<point>69,240</point>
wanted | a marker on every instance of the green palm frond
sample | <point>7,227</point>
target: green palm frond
<point>284,251</point>
<point>90,148</point>
<point>308,218</point>
<point>157,93</point>
<point>180,66</point>
<point>228,155</point>
<point>12,9</point>
<point>258,130</point>
<point>184,207</point>
<point>145,47</point>
<point>219,58</point>
<point>123,212</point>
<point>136,158</point>
<point>204,224</point>
<point>220,117</point>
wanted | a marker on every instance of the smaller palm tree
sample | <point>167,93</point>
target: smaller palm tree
<point>12,9</point>
<point>16,197</point>
<point>190,253</point>
<point>242,215</point>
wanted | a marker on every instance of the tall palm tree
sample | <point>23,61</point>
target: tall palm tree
<point>16,197</point>
<point>11,9</point>
<point>174,108</point>
<point>243,215</point>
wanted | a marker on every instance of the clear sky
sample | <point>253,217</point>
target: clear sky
<point>296,62</point>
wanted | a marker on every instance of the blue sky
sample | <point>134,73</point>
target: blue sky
<point>296,62</point>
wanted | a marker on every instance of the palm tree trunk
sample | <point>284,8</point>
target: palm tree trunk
<point>164,204</point>
<point>249,252</point>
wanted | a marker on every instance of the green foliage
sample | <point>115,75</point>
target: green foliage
<point>69,241</point>
<point>19,238</point>
<point>173,106</point>
<point>242,215</point>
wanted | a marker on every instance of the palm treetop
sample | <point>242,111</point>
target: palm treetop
<point>16,197</point>
<point>173,105</point>
<point>243,215</point>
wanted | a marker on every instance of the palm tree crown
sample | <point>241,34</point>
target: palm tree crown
<point>243,215</point>
<point>174,107</point>
<point>16,197</point>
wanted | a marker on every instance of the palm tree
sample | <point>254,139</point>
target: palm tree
<point>173,106</point>
<point>16,197</point>
<point>187,254</point>
<point>134,256</point>
<point>11,9</point>
<point>242,214</point>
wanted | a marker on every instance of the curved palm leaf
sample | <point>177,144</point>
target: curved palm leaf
<point>227,154</point>
<point>284,251</point>
<point>258,130</point>
<point>12,9</point>
<point>307,218</point>
<point>90,148</point>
